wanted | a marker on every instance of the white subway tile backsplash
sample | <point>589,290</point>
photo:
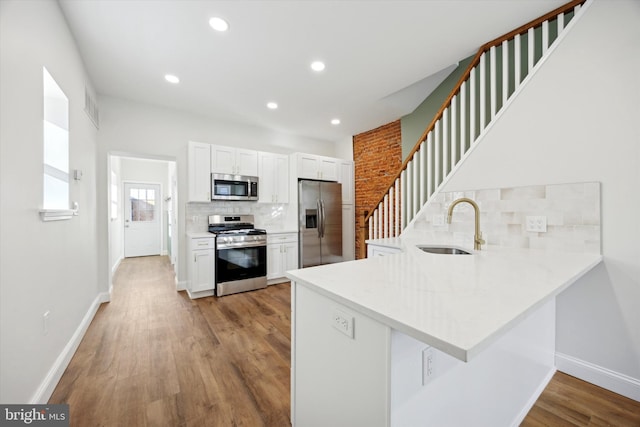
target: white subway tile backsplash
<point>266,215</point>
<point>572,212</point>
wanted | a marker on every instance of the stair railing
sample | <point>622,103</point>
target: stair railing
<point>497,70</point>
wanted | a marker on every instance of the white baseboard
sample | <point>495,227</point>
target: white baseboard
<point>602,377</point>
<point>534,397</point>
<point>48,385</point>
<point>181,286</point>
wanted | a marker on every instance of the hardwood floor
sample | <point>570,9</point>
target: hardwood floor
<point>153,357</point>
<point>568,401</point>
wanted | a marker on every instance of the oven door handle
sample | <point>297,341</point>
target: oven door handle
<point>240,245</point>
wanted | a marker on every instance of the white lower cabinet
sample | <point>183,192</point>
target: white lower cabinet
<point>201,266</point>
<point>282,255</point>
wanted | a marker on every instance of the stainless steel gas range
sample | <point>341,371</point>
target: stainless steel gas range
<point>241,254</point>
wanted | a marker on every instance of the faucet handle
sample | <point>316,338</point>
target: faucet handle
<point>479,240</point>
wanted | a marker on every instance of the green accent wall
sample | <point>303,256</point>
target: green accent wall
<point>414,124</point>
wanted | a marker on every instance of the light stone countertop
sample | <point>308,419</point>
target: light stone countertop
<point>459,304</point>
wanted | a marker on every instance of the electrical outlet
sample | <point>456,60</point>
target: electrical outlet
<point>536,224</point>
<point>45,322</point>
<point>428,364</point>
<point>342,322</point>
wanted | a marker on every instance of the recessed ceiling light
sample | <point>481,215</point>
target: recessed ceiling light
<point>335,121</point>
<point>218,24</point>
<point>171,78</point>
<point>317,66</point>
<point>272,105</point>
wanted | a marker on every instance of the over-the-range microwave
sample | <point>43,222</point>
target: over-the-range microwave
<point>233,187</point>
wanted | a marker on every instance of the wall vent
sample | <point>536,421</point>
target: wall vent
<point>91,107</point>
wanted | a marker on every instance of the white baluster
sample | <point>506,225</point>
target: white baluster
<point>389,223</point>
<point>371,222</point>
<point>375,224</point>
<point>385,219</point>
<point>560,23</point>
<point>472,106</point>
<point>493,87</point>
<point>423,173</point>
<point>463,118</point>
<point>430,163</point>
<point>403,198</point>
<point>409,192</point>
<point>396,217</point>
<point>454,131</point>
<point>483,92</point>
<point>438,156</point>
<point>517,52</point>
<point>530,50</point>
<point>445,143</point>
<point>505,72</point>
<point>545,37</point>
<point>416,185</point>
<point>380,219</point>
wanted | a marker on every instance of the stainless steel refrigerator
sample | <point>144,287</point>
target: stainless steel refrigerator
<point>320,222</point>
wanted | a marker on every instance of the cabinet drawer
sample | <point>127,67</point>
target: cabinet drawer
<point>203,243</point>
<point>282,238</point>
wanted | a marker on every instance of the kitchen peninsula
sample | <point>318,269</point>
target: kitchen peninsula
<point>417,338</point>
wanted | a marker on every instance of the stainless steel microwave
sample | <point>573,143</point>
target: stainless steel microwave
<point>233,187</point>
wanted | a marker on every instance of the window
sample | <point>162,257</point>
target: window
<point>56,145</point>
<point>143,201</point>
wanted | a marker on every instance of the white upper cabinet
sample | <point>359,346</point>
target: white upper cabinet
<point>234,161</point>
<point>199,172</point>
<point>317,167</point>
<point>346,179</point>
<point>273,171</point>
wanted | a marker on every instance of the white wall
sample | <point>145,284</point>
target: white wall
<point>578,120</point>
<point>44,266</point>
<point>146,131</point>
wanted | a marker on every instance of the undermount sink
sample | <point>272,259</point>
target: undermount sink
<point>443,250</point>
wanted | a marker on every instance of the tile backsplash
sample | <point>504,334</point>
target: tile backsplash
<point>266,215</point>
<point>572,212</point>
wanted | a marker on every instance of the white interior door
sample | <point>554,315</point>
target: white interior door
<point>142,219</point>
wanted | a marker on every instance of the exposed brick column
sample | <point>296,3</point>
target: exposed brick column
<point>377,155</point>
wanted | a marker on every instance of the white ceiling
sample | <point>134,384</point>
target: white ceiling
<point>373,50</point>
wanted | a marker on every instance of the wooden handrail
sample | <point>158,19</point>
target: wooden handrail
<point>467,73</point>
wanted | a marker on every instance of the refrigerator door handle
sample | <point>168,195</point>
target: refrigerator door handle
<point>320,218</point>
<point>323,217</point>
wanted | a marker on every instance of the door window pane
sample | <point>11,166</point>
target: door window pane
<point>142,204</point>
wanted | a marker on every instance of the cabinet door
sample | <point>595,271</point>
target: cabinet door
<point>223,159</point>
<point>290,256</point>
<point>199,172</point>
<point>246,162</point>
<point>348,233</point>
<point>267,173</point>
<point>346,179</point>
<point>281,178</point>
<point>328,169</point>
<point>202,277</point>
<point>274,261</point>
<point>308,166</point>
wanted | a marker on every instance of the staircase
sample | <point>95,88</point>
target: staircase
<point>492,78</point>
